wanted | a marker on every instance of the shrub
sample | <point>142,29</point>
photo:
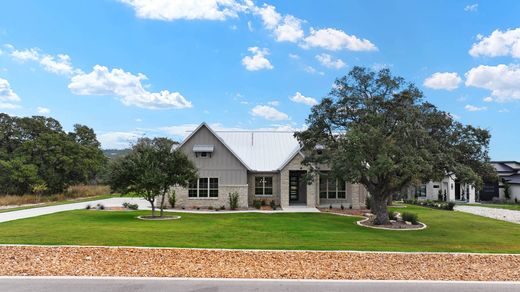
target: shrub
<point>233,200</point>
<point>210,208</point>
<point>130,206</point>
<point>222,207</point>
<point>392,215</point>
<point>88,207</point>
<point>273,205</point>
<point>350,206</point>
<point>342,207</point>
<point>450,206</point>
<point>172,199</point>
<point>257,204</point>
<point>100,207</point>
<point>263,202</point>
<point>410,217</point>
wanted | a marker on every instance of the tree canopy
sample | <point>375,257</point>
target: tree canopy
<point>377,130</point>
<point>150,169</point>
<point>36,150</point>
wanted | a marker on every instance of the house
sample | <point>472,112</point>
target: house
<point>258,165</point>
<point>508,173</point>
<point>448,189</point>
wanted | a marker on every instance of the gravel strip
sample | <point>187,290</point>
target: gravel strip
<point>495,213</point>
<point>142,262</point>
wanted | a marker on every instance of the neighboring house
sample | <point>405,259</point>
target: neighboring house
<point>449,189</point>
<point>258,165</point>
<point>509,172</point>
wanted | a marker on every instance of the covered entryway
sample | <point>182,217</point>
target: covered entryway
<point>297,187</point>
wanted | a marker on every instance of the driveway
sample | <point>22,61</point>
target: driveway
<point>34,212</point>
<point>495,213</point>
<point>164,284</point>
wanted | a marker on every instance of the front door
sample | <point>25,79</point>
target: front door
<point>294,186</point>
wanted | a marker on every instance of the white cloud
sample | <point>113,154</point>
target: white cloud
<point>329,62</point>
<point>138,120</point>
<point>269,16</point>
<point>118,140</point>
<point>59,65</point>
<point>268,113</point>
<point>250,26</point>
<point>127,86</point>
<point>473,108</point>
<point>8,106</point>
<point>294,56</point>
<point>502,80</point>
<point>185,9</point>
<point>257,61</point>
<point>312,70</point>
<point>471,7</point>
<point>335,40</point>
<point>443,80</point>
<point>290,30</point>
<point>498,44</point>
<point>274,103</point>
<point>488,99</point>
<point>7,93</point>
<point>43,110</point>
<point>26,55</point>
<point>299,98</point>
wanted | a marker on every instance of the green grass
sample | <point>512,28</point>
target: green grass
<point>447,231</point>
<point>69,201</point>
<point>515,207</point>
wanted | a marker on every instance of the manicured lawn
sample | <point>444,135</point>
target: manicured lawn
<point>447,231</point>
<point>515,207</point>
<point>70,201</point>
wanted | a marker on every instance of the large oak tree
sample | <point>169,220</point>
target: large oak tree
<point>377,130</point>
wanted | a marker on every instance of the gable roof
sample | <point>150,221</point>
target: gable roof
<point>262,151</point>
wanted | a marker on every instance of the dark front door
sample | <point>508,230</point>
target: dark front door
<point>297,187</point>
<point>457,190</point>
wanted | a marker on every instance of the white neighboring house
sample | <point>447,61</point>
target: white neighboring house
<point>508,171</point>
<point>449,189</point>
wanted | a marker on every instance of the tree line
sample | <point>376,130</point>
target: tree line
<point>38,156</point>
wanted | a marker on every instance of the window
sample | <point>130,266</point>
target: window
<point>203,188</point>
<point>203,154</point>
<point>331,188</point>
<point>264,185</point>
<point>420,191</point>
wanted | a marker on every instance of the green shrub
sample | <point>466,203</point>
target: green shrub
<point>257,204</point>
<point>210,208</point>
<point>342,207</point>
<point>88,207</point>
<point>410,217</point>
<point>130,206</point>
<point>273,205</point>
<point>233,200</point>
<point>172,199</point>
<point>263,202</point>
<point>222,207</point>
<point>450,206</point>
<point>392,215</point>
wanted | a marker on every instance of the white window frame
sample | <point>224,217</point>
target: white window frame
<point>263,186</point>
<point>336,191</point>
<point>209,188</point>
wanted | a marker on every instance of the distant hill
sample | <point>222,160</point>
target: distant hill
<point>114,153</point>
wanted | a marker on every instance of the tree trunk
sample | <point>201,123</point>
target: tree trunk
<point>153,207</point>
<point>162,202</point>
<point>378,208</point>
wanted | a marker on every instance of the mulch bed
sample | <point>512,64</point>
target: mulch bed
<point>141,262</point>
<point>346,211</point>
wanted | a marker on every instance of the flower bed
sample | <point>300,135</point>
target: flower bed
<point>432,204</point>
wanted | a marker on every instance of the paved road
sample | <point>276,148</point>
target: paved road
<point>495,213</point>
<point>158,285</point>
<point>112,202</point>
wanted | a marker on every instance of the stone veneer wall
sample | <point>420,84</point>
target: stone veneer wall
<point>276,187</point>
<point>183,200</point>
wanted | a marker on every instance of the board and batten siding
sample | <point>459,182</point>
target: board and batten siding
<point>222,163</point>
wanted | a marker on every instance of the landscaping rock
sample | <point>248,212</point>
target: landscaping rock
<point>200,263</point>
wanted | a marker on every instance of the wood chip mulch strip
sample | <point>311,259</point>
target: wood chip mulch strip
<point>142,262</point>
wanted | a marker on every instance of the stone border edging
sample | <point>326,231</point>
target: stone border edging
<point>423,226</point>
<point>143,217</point>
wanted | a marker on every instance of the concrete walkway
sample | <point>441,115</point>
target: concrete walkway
<point>495,213</point>
<point>143,205</point>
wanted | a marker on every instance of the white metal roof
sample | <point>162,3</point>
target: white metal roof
<point>261,150</point>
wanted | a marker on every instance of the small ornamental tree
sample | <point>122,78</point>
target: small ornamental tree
<point>150,169</point>
<point>376,130</point>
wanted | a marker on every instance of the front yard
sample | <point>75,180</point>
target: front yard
<point>447,231</point>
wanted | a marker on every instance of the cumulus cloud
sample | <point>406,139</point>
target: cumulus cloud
<point>502,80</point>
<point>443,80</point>
<point>329,62</point>
<point>26,55</point>
<point>59,65</point>
<point>127,86</point>
<point>268,113</point>
<point>257,61</point>
<point>471,7</point>
<point>118,140</point>
<point>300,98</point>
<point>499,43</point>
<point>185,9</point>
<point>43,110</point>
<point>473,108</point>
<point>335,40</point>
<point>6,92</point>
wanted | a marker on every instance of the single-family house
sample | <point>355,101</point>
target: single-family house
<point>258,165</point>
<point>509,174</point>
<point>449,189</point>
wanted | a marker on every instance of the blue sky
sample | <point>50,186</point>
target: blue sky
<point>134,68</point>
